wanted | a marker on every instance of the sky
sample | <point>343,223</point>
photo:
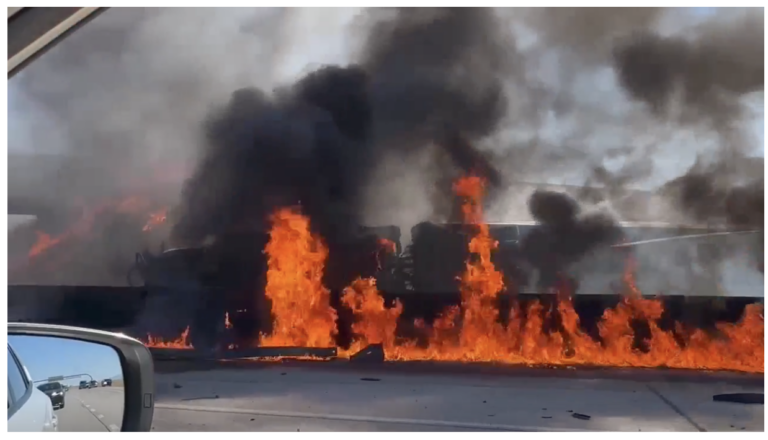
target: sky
<point>47,357</point>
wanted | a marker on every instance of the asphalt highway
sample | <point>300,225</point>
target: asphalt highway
<point>92,410</point>
<point>298,398</point>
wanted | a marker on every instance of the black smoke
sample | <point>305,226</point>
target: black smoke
<point>563,235</point>
<point>426,76</point>
<point>702,82</point>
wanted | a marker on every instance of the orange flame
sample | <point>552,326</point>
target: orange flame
<point>44,241</point>
<point>386,246</point>
<point>472,332</point>
<point>300,302</point>
<point>155,219</point>
<point>375,324</point>
<point>133,205</point>
<point>181,342</point>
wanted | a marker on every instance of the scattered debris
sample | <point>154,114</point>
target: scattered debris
<point>283,374</point>
<point>188,399</point>
<point>370,379</point>
<point>745,398</point>
<point>546,417</point>
<point>177,386</point>
<point>373,353</point>
<point>581,416</point>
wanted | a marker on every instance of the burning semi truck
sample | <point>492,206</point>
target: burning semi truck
<point>280,179</point>
<point>289,287</point>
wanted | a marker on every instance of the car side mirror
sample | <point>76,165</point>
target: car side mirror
<point>47,359</point>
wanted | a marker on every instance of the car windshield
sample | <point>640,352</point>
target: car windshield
<point>50,386</point>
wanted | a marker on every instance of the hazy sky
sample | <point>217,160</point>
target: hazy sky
<point>47,357</point>
<point>152,96</point>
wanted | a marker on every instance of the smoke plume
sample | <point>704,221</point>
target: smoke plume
<point>424,77</point>
<point>615,97</point>
<point>703,82</point>
<point>564,235</point>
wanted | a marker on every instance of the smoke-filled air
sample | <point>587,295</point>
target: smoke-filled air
<point>215,119</point>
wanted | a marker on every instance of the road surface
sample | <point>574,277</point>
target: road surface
<point>92,410</point>
<point>306,398</point>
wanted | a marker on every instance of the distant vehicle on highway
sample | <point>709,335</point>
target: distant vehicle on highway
<point>55,391</point>
<point>84,384</point>
<point>94,384</point>
<point>29,409</point>
<point>106,383</point>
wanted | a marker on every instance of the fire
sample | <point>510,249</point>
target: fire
<point>132,205</point>
<point>181,342</point>
<point>375,323</point>
<point>386,246</point>
<point>473,333</point>
<point>44,241</point>
<point>278,359</point>
<point>300,303</point>
<point>155,219</point>
<point>474,330</point>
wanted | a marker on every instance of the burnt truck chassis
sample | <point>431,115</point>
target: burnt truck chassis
<point>195,287</point>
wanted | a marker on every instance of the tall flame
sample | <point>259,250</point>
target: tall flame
<point>300,302</point>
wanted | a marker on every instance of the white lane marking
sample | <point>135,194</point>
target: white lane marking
<point>351,418</point>
<point>101,416</point>
<point>93,410</point>
<point>114,428</point>
<point>87,406</point>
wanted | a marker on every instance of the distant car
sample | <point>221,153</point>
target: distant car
<point>84,385</point>
<point>94,384</point>
<point>55,391</point>
<point>29,409</point>
<point>106,383</point>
